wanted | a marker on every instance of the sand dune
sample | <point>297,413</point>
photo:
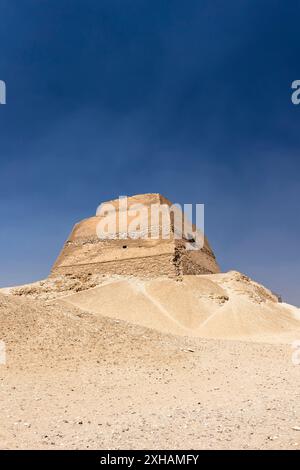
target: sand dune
<point>225,305</point>
<point>228,306</point>
<point>221,306</point>
<point>75,379</point>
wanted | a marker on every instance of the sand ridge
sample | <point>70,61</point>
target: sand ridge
<point>124,363</point>
<point>228,306</point>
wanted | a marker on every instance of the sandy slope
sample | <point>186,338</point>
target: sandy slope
<point>77,379</point>
<point>229,306</point>
<point>73,380</point>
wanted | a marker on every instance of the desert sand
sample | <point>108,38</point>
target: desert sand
<point>124,363</point>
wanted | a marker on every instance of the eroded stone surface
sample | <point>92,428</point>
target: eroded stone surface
<point>85,253</point>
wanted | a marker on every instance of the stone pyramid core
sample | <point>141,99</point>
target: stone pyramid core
<point>124,254</point>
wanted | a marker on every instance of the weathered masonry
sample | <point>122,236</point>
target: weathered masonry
<point>85,253</point>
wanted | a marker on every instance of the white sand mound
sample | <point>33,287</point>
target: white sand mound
<point>229,306</point>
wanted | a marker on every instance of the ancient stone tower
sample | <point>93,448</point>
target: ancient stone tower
<point>85,253</point>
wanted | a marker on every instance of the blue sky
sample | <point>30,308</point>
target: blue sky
<point>189,99</point>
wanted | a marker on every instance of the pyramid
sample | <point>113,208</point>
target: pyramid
<point>130,252</point>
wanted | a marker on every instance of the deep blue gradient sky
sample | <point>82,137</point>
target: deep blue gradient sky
<point>189,99</point>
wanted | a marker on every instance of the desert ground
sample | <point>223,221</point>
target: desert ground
<point>120,363</point>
